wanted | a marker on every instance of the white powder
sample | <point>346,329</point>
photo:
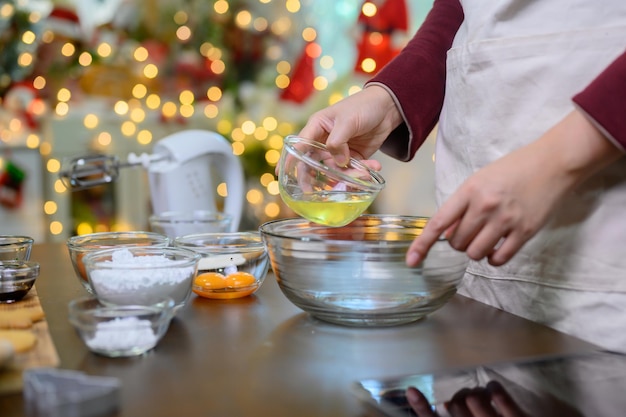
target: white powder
<point>124,283</point>
<point>123,334</point>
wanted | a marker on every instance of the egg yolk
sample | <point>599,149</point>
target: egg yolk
<point>210,281</point>
<point>216,285</point>
<point>81,266</point>
<point>240,279</point>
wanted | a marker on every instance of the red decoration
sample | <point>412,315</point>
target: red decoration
<point>23,101</point>
<point>11,186</point>
<point>301,87</point>
<point>158,52</point>
<point>377,37</point>
<point>64,21</point>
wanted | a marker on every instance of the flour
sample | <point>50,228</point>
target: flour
<point>129,279</point>
<point>129,333</point>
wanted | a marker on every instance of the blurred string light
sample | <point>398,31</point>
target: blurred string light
<point>329,41</point>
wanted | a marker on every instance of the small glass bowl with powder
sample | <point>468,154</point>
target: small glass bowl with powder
<point>141,275</point>
<point>79,246</point>
<point>120,331</point>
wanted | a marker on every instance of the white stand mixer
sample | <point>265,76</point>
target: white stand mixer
<point>181,173</point>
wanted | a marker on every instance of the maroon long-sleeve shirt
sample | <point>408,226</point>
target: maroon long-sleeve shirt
<point>421,96</point>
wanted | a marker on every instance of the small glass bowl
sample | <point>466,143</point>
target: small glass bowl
<point>16,279</point>
<point>79,246</point>
<point>118,331</point>
<point>181,223</point>
<point>233,265</point>
<point>316,188</point>
<point>141,275</point>
<point>15,247</point>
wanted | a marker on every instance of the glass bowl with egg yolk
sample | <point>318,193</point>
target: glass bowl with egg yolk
<point>312,184</point>
<point>233,265</point>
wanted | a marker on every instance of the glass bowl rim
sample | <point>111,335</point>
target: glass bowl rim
<point>77,309</point>
<point>172,216</point>
<point>299,220</point>
<point>191,258</point>
<point>376,185</point>
<point>253,241</point>
<point>76,242</point>
<point>15,240</point>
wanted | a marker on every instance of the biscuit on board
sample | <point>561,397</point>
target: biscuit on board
<point>20,318</point>
<point>36,313</point>
<point>22,340</point>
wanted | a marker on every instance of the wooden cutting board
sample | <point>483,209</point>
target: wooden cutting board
<point>43,354</point>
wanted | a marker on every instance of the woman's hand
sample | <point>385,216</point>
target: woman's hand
<point>489,401</point>
<point>499,208</point>
<point>355,126</point>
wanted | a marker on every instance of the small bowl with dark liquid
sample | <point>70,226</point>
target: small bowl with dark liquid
<point>16,279</point>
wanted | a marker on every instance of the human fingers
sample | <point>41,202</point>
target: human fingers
<point>444,222</point>
<point>318,126</point>
<point>494,239</point>
<point>372,164</point>
<point>456,406</point>
<point>337,142</point>
<point>341,153</point>
<point>303,177</point>
<point>485,242</point>
<point>419,403</point>
<point>329,127</point>
<point>479,403</point>
<point>483,223</point>
<point>503,401</point>
<point>510,245</point>
<point>358,172</point>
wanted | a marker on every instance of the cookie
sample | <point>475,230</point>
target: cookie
<point>20,318</point>
<point>36,313</point>
<point>21,340</point>
<point>15,319</point>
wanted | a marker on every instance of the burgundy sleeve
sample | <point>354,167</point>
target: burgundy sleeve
<point>416,77</point>
<point>604,100</point>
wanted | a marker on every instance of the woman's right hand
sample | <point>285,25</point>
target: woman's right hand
<point>491,400</point>
<point>356,126</point>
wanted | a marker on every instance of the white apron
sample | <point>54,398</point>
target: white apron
<point>512,71</point>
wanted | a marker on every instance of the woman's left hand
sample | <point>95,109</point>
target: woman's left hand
<point>499,208</point>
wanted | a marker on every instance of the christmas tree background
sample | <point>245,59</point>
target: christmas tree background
<point>115,76</point>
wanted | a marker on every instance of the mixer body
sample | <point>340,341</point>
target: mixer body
<point>183,173</point>
<point>184,179</point>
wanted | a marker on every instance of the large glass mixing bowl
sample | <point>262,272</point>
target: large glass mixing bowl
<point>356,274</point>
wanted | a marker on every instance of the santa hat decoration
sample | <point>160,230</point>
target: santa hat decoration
<point>64,21</point>
<point>23,100</point>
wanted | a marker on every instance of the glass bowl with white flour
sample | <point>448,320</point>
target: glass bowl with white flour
<point>141,275</point>
<point>120,331</point>
<point>79,246</point>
